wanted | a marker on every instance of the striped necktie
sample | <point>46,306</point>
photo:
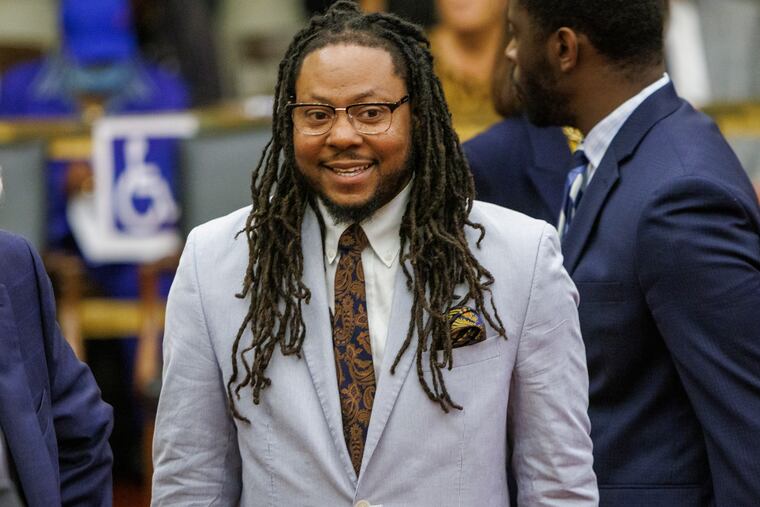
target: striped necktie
<point>574,187</point>
<point>353,351</point>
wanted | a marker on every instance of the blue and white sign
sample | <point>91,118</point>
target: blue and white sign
<point>133,213</point>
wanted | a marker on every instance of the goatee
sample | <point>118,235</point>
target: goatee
<point>388,188</point>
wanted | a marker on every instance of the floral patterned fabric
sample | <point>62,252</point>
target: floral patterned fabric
<point>353,351</point>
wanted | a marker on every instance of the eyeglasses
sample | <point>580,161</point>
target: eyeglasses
<point>367,118</point>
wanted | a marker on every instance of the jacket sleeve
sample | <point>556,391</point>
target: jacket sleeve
<point>698,258</point>
<point>548,422</point>
<point>82,420</point>
<point>195,452</point>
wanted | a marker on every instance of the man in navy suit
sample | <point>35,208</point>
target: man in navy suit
<point>54,427</point>
<point>663,243</point>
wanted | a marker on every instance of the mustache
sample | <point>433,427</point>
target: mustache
<point>344,156</point>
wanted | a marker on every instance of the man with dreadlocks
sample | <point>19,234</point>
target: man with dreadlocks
<point>394,343</point>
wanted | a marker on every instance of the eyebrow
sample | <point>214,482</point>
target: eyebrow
<point>354,99</point>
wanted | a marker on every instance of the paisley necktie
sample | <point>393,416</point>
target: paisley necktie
<point>353,352</point>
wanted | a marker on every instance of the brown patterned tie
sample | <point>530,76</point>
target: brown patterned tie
<point>353,352</point>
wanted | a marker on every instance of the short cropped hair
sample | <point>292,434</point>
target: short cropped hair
<point>627,32</point>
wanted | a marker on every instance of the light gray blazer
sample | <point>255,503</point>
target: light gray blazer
<point>525,397</point>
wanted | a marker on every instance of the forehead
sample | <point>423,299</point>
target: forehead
<point>523,26</point>
<point>341,73</point>
<point>516,13</point>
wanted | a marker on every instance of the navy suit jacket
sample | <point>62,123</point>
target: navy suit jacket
<point>520,166</point>
<point>51,413</point>
<point>665,252</point>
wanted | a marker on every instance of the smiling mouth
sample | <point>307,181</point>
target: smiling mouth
<point>350,171</point>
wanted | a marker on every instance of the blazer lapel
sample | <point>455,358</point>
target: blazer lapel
<point>585,216</point>
<point>389,386</point>
<point>657,106</point>
<point>551,158</point>
<point>318,346</point>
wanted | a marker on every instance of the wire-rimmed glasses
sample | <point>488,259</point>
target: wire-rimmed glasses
<point>314,119</point>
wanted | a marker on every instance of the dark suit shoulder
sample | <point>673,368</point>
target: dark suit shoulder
<point>16,255</point>
<point>499,159</point>
<point>498,142</point>
<point>520,166</point>
<point>694,149</point>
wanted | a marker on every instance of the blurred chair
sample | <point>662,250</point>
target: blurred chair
<point>253,36</point>
<point>216,170</point>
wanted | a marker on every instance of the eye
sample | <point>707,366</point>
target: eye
<point>317,114</point>
<point>369,113</point>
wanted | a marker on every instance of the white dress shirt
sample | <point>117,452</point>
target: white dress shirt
<point>600,137</point>
<point>380,263</point>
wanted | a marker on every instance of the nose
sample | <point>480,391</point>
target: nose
<point>342,134</point>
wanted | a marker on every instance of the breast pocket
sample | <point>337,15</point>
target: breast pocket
<point>489,348</point>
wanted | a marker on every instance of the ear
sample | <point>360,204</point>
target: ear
<point>564,49</point>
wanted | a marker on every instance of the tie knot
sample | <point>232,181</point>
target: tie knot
<point>579,159</point>
<point>353,240</point>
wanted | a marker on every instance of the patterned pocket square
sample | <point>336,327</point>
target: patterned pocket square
<point>467,327</point>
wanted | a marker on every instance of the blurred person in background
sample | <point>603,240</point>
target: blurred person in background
<point>466,43</point>
<point>54,426</point>
<point>97,71</point>
<point>515,163</point>
<point>421,12</point>
<point>179,35</point>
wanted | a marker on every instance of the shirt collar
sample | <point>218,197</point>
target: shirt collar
<point>382,228</point>
<point>601,135</point>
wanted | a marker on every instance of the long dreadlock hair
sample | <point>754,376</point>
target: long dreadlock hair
<point>435,256</point>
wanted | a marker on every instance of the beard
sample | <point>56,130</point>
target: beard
<point>540,100</point>
<point>389,187</point>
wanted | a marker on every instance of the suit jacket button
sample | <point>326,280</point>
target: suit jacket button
<point>362,503</point>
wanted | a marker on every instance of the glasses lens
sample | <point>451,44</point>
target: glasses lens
<point>370,118</point>
<point>313,119</point>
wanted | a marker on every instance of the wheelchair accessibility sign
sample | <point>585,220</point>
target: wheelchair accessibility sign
<point>132,215</point>
<point>143,202</point>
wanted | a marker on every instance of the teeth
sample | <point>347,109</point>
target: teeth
<point>351,171</point>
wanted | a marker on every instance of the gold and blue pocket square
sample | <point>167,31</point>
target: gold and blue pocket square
<point>467,327</point>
